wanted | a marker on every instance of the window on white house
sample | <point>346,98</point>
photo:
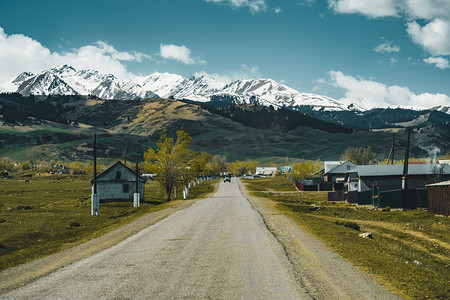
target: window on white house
<point>118,175</point>
<point>126,188</point>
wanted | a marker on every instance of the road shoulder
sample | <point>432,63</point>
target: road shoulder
<point>322,272</point>
<point>16,277</point>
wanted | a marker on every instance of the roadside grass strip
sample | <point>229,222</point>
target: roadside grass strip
<point>43,215</point>
<point>409,251</point>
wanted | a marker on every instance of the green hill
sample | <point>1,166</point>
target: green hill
<point>68,136</point>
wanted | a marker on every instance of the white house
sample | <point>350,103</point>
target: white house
<point>118,182</point>
<point>266,171</point>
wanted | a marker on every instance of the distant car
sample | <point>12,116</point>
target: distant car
<point>227,179</point>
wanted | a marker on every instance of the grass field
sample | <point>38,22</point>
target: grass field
<point>51,213</point>
<point>410,250</point>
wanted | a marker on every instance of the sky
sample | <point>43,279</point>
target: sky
<point>375,53</point>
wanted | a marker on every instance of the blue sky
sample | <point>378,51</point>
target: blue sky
<point>374,52</point>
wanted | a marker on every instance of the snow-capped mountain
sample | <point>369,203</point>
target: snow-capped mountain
<point>66,80</point>
<point>45,83</point>
<point>197,88</point>
<point>161,84</point>
<point>269,92</point>
<point>442,108</point>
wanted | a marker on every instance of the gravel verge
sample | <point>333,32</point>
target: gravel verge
<point>16,277</point>
<point>323,273</point>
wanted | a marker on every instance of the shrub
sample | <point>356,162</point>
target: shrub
<point>352,225</point>
<point>74,224</point>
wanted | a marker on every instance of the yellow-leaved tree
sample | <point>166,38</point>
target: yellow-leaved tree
<point>306,170</point>
<point>359,155</point>
<point>170,161</point>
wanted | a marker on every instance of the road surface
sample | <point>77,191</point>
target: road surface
<point>218,248</point>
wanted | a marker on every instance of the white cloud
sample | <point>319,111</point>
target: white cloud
<point>179,53</point>
<point>439,62</point>
<point>433,37</point>
<point>427,9</point>
<point>368,94</point>
<point>243,73</point>
<point>19,53</point>
<point>371,8</point>
<point>216,76</point>
<point>410,9</point>
<point>277,10</point>
<point>249,71</point>
<point>255,6</point>
<point>387,47</point>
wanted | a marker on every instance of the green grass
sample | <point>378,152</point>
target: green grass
<point>401,238</point>
<point>41,217</point>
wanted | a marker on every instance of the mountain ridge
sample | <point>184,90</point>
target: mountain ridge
<point>66,80</point>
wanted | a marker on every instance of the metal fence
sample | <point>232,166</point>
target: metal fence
<point>439,200</point>
<point>336,196</point>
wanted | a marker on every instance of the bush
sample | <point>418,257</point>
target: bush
<point>75,224</point>
<point>352,225</point>
<point>387,208</point>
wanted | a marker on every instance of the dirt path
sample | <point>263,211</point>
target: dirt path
<point>324,274</point>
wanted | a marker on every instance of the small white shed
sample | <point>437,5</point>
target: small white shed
<point>118,182</point>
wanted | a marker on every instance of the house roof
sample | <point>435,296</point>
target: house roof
<point>121,165</point>
<point>342,168</point>
<point>397,170</point>
<point>444,183</point>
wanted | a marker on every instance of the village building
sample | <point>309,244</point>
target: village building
<point>389,177</point>
<point>336,172</point>
<point>266,171</point>
<point>352,177</point>
<point>118,182</point>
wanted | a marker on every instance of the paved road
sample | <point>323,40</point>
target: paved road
<point>218,248</point>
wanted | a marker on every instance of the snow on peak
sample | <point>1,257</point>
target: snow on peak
<point>63,70</point>
<point>45,83</point>
<point>65,79</point>
<point>161,84</point>
<point>197,88</point>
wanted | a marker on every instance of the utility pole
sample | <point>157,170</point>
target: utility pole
<point>136,194</point>
<point>405,170</point>
<point>393,148</point>
<point>94,198</point>
<point>126,151</point>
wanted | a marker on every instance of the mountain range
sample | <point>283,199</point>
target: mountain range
<point>66,80</point>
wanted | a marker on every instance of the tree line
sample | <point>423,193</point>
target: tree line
<point>267,117</point>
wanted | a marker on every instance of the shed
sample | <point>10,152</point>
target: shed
<point>439,198</point>
<point>118,182</point>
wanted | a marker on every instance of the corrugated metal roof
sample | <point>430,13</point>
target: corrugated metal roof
<point>444,183</point>
<point>397,170</point>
